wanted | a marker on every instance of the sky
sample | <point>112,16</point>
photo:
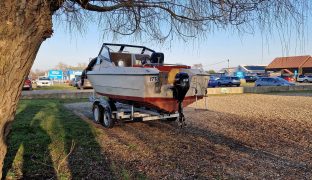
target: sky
<point>73,47</point>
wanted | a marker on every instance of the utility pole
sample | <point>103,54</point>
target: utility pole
<point>228,61</point>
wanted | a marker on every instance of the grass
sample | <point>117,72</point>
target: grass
<point>252,84</point>
<point>57,87</point>
<point>48,141</point>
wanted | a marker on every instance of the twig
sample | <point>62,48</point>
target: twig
<point>65,158</point>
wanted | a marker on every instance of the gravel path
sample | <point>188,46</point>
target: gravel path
<point>247,136</point>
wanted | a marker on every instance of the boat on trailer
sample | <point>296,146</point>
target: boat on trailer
<point>138,76</point>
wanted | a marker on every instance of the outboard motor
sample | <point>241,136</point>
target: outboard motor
<point>180,87</point>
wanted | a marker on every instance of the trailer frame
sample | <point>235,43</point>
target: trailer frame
<point>106,112</point>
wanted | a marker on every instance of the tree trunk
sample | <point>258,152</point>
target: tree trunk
<point>24,25</point>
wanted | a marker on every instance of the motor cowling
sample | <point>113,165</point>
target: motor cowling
<point>180,86</point>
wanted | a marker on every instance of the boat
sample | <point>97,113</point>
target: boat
<point>138,76</point>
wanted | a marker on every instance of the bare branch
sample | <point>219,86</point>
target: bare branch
<point>184,18</point>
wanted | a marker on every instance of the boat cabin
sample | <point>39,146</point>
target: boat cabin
<point>129,55</point>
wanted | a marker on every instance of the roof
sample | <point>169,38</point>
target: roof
<point>288,62</point>
<point>254,67</point>
<point>308,63</point>
<point>230,69</point>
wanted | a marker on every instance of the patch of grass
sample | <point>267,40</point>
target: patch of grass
<point>141,176</point>
<point>48,141</point>
<point>125,174</point>
<point>132,146</point>
<point>57,87</point>
<point>62,101</point>
<point>249,84</point>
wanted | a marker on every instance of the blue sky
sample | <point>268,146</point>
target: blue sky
<point>74,48</point>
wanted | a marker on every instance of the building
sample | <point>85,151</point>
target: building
<point>294,64</point>
<point>227,71</point>
<point>307,67</point>
<point>70,74</point>
<point>251,70</point>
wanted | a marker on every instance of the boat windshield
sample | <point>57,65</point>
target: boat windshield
<point>124,48</point>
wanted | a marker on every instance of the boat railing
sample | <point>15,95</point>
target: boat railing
<point>158,64</point>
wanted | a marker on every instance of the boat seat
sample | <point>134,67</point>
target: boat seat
<point>157,58</point>
<point>142,58</point>
<point>121,63</point>
<point>121,57</point>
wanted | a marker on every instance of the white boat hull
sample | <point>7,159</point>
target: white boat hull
<point>142,87</point>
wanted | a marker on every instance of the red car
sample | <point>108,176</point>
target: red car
<point>27,84</point>
<point>289,78</point>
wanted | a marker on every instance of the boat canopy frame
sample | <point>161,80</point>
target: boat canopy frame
<point>109,49</point>
<point>122,47</point>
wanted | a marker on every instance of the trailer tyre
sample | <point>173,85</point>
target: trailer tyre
<point>108,122</point>
<point>98,112</point>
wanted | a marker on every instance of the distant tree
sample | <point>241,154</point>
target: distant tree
<point>24,25</point>
<point>62,66</point>
<point>34,74</point>
<point>79,66</point>
<point>211,71</point>
<point>197,66</point>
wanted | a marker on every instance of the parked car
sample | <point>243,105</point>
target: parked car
<point>74,81</point>
<point>213,81</point>
<point>305,79</point>
<point>86,84</point>
<point>251,78</point>
<point>43,81</point>
<point>71,82</point>
<point>27,84</point>
<point>272,81</point>
<point>228,81</point>
<point>288,78</point>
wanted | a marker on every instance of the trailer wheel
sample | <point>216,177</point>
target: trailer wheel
<point>108,122</point>
<point>97,113</point>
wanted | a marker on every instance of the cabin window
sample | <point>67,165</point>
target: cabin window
<point>98,61</point>
<point>105,54</point>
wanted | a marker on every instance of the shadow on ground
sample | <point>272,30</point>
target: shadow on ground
<point>213,145</point>
<point>47,141</point>
<point>50,142</point>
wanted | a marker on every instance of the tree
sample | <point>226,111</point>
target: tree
<point>198,66</point>
<point>211,71</point>
<point>79,66</point>
<point>62,66</point>
<point>24,25</point>
<point>36,73</point>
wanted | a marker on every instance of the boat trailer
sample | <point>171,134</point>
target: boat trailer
<point>106,112</point>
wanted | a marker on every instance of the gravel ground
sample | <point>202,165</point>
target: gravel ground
<point>249,136</point>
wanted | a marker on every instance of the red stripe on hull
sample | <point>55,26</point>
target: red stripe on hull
<point>169,105</point>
